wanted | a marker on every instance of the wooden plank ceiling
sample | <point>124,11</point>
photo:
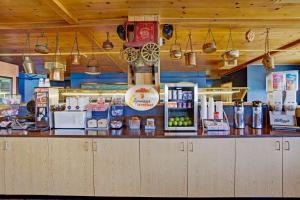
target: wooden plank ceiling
<point>17,17</point>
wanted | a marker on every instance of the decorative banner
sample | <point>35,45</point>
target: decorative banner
<point>142,97</point>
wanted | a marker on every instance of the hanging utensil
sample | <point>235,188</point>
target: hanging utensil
<point>28,65</point>
<point>175,49</point>
<point>190,56</point>
<point>210,46</point>
<point>41,45</point>
<point>268,60</point>
<point>167,31</point>
<point>233,54</point>
<point>121,32</point>
<point>92,63</point>
<point>75,58</point>
<point>250,35</point>
<point>107,45</point>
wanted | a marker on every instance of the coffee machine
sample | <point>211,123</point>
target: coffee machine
<point>238,118</point>
<point>257,117</point>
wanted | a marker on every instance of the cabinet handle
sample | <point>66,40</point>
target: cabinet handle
<point>287,145</point>
<point>95,146</point>
<point>191,146</point>
<point>181,146</point>
<point>277,146</point>
<point>86,146</point>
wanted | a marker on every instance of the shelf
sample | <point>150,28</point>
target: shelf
<point>179,108</point>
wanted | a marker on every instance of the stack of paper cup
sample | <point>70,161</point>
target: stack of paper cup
<point>219,109</point>
<point>211,108</point>
<point>203,111</point>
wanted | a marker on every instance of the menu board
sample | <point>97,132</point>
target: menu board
<point>291,80</point>
<point>284,80</point>
<point>278,80</point>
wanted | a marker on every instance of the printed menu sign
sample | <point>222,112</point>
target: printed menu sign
<point>284,80</point>
<point>278,80</point>
<point>291,80</point>
<point>142,97</point>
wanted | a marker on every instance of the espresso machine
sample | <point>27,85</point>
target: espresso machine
<point>238,117</point>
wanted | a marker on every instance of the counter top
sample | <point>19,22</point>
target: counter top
<point>125,133</point>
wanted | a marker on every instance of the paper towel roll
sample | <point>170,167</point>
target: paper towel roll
<point>211,108</point>
<point>203,111</point>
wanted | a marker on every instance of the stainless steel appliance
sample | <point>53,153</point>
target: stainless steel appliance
<point>181,107</point>
<point>238,119</point>
<point>69,119</point>
<point>257,118</point>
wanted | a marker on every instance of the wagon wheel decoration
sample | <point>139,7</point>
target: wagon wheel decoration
<point>150,52</point>
<point>130,54</point>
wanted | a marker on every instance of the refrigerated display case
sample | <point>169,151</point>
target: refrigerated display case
<point>181,107</point>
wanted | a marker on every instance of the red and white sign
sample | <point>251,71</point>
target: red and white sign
<point>142,97</point>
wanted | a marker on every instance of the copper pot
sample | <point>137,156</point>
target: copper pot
<point>190,59</point>
<point>268,61</point>
<point>175,52</point>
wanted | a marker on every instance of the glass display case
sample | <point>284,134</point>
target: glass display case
<point>181,107</point>
<point>5,87</point>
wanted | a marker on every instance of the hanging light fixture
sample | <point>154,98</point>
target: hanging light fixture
<point>107,44</point>
<point>92,64</point>
<point>28,65</point>
<point>75,58</point>
<point>268,60</point>
<point>56,70</point>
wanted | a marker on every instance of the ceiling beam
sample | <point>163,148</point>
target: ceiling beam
<point>195,22</point>
<point>273,52</point>
<point>61,10</point>
<point>88,35</point>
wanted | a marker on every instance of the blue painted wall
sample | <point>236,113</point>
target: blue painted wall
<point>27,83</point>
<point>109,77</point>
<point>256,79</point>
<point>165,77</point>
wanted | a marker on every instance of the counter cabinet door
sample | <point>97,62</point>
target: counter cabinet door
<point>211,164</point>
<point>163,167</point>
<point>26,166</point>
<point>116,167</point>
<point>2,162</point>
<point>258,167</point>
<point>291,167</point>
<point>71,166</point>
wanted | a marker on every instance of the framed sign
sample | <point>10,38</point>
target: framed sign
<point>142,97</point>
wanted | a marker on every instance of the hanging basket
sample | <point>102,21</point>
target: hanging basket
<point>175,49</point>
<point>175,52</point>
<point>230,54</point>
<point>268,60</point>
<point>210,46</point>
<point>41,45</point>
<point>190,56</point>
